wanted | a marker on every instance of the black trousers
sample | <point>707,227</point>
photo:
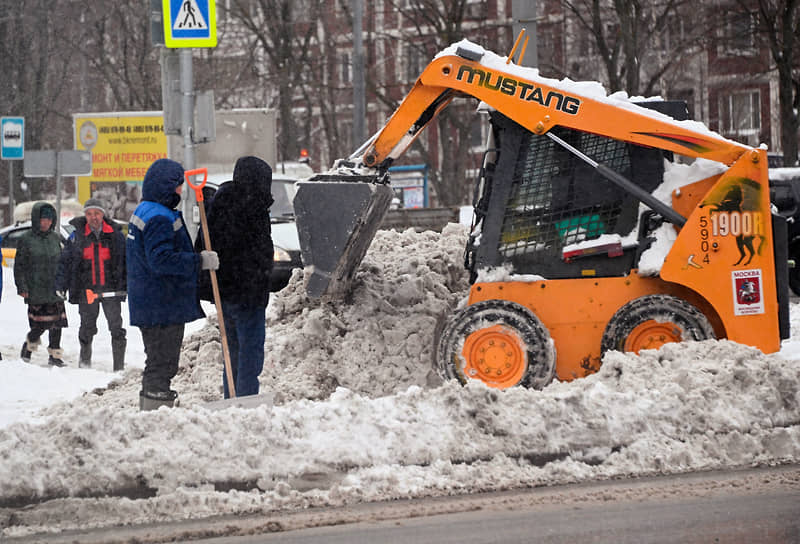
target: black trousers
<point>162,348</point>
<point>112,309</point>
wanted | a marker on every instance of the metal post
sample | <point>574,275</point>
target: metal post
<point>187,130</point>
<point>359,109</point>
<point>10,192</point>
<point>59,187</point>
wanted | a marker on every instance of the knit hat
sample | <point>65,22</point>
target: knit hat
<point>94,204</point>
<point>47,212</point>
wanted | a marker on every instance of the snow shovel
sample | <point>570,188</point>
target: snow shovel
<point>91,296</point>
<point>198,191</point>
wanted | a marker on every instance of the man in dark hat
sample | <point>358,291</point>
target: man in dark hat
<point>92,271</point>
<point>35,267</point>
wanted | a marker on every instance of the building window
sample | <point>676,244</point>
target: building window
<point>476,138</point>
<point>413,64</point>
<point>585,44</point>
<point>739,33</point>
<point>475,10</point>
<point>740,113</point>
<point>346,68</point>
<point>674,35</point>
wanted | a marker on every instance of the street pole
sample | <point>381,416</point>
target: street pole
<point>359,108</point>
<point>187,131</point>
<point>59,188</point>
<point>10,192</point>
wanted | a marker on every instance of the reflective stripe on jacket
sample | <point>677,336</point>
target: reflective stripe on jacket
<point>162,268</point>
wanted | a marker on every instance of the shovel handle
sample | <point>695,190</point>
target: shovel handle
<point>198,189</point>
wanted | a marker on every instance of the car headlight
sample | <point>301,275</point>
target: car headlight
<point>281,255</point>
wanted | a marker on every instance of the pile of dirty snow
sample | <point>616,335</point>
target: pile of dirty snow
<point>376,342</point>
<point>358,418</point>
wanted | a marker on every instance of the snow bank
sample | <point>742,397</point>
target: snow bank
<point>358,418</point>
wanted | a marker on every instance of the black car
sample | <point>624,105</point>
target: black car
<point>784,193</point>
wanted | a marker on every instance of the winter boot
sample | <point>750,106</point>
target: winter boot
<point>85,358</point>
<point>153,400</point>
<point>55,356</point>
<point>118,353</point>
<point>28,347</point>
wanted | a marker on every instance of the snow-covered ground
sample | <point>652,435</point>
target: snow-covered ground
<point>359,416</point>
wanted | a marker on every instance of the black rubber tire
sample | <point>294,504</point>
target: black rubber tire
<point>540,352</point>
<point>691,322</point>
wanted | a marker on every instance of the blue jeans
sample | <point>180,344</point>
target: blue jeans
<point>244,327</point>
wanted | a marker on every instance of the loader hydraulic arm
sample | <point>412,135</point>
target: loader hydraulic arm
<point>538,104</point>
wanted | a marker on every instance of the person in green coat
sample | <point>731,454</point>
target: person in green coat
<point>35,267</point>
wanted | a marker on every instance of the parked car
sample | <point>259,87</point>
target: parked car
<point>784,193</point>
<point>284,228</point>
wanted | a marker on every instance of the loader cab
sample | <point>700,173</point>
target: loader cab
<point>537,201</point>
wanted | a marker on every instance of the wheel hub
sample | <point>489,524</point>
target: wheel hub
<point>496,356</point>
<point>652,334</point>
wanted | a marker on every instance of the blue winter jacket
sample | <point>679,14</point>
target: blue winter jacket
<point>162,265</point>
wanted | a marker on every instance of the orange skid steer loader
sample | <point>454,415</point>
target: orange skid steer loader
<point>579,244</point>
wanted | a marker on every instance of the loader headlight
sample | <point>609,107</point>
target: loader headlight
<point>281,255</point>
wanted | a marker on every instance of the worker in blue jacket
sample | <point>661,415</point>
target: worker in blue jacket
<point>162,279</point>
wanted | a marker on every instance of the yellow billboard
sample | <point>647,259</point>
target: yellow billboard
<point>123,146</point>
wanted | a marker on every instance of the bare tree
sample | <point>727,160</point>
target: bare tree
<point>119,69</point>
<point>639,42</point>
<point>780,26</point>
<point>35,67</point>
<point>282,32</point>
<point>427,27</point>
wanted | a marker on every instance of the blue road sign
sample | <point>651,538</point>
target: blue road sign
<point>190,23</point>
<point>13,138</point>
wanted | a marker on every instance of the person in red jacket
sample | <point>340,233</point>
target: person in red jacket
<point>92,270</point>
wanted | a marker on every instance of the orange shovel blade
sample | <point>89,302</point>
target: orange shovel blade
<point>90,296</point>
<point>198,187</point>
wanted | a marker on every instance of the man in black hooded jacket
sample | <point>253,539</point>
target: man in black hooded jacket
<point>240,232</point>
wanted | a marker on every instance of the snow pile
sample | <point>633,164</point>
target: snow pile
<point>358,418</point>
<point>377,342</point>
<point>686,407</point>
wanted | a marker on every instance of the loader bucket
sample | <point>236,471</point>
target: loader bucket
<point>337,218</point>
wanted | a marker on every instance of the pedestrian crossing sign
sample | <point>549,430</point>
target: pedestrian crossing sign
<point>190,23</point>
